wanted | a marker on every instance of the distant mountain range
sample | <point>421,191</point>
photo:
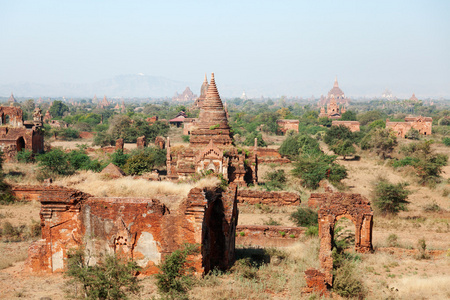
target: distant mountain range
<point>146,86</point>
<point>119,86</point>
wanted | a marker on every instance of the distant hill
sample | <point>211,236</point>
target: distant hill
<point>119,86</point>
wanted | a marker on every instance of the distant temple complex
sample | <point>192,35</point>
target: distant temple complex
<point>211,146</point>
<point>335,102</point>
<point>187,95</point>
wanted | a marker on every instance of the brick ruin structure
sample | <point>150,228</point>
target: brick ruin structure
<point>352,125</point>
<point>211,147</point>
<point>141,142</point>
<point>286,125</point>
<point>119,144</point>
<point>332,207</point>
<point>421,124</point>
<point>334,111</point>
<point>160,142</point>
<point>141,229</point>
<point>15,134</point>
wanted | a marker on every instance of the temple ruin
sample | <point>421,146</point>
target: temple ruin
<point>15,134</point>
<point>332,207</point>
<point>286,125</point>
<point>211,147</point>
<point>421,124</point>
<point>142,229</point>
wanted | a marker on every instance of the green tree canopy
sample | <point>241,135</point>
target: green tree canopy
<point>58,109</point>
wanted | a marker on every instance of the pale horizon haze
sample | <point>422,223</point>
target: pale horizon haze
<point>291,48</point>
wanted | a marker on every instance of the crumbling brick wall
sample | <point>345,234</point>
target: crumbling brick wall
<point>268,236</point>
<point>268,155</point>
<point>268,198</point>
<point>139,228</point>
<point>334,206</point>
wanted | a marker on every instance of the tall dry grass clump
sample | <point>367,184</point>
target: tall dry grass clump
<point>97,185</point>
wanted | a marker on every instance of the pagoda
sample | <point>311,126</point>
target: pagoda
<point>211,146</point>
<point>212,123</point>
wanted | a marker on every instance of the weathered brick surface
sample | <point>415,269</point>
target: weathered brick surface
<point>268,198</point>
<point>268,236</point>
<point>316,282</point>
<point>139,228</point>
<point>141,142</point>
<point>352,125</point>
<point>160,142</point>
<point>119,144</point>
<point>286,125</point>
<point>268,155</point>
<point>421,124</point>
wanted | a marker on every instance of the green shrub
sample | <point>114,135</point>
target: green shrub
<point>25,156</point>
<point>407,161</point>
<point>446,141</point>
<point>412,134</point>
<point>343,148</point>
<point>390,198</point>
<point>111,278</point>
<point>346,283</point>
<point>186,138</point>
<point>119,158</point>
<point>103,139</point>
<point>68,134</point>
<point>312,231</point>
<point>175,278</point>
<point>250,139</point>
<point>312,168</point>
<point>427,164</point>
<point>145,160</point>
<point>304,217</point>
<point>275,179</point>
<point>55,161</point>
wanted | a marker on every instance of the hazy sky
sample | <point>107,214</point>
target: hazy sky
<point>403,45</point>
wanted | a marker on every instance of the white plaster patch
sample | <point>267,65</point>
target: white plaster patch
<point>57,261</point>
<point>147,246</point>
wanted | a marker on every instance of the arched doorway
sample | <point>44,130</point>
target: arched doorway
<point>20,144</point>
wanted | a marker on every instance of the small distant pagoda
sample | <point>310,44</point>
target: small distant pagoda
<point>11,99</point>
<point>413,98</point>
<point>204,88</point>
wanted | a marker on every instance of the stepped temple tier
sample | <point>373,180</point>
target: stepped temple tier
<point>211,146</point>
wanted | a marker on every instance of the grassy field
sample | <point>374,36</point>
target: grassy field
<point>398,272</point>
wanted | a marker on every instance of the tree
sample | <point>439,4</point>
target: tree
<point>311,168</point>
<point>58,108</point>
<point>343,148</point>
<point>145,160</point>
<point>383,141</point>
<point>55,161</point>
<point>348,116</point>
<point>250,139</point>
<point>369,116</point>
<point>427,164</point>
<point>390,198</point>
<point>338,134</point>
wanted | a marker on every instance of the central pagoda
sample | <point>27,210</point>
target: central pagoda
<point>212,123</point>
<point>211,147</point>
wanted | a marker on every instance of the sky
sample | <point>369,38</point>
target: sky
<point>369,45</point>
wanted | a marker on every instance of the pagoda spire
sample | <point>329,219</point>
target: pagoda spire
<point>336,82</point>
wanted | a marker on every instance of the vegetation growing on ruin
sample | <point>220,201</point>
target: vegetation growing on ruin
<point>111,278</point>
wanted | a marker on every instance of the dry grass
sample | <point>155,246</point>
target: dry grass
<point>433,287</point>
<point>17,252</point>
<point>97,185</point>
